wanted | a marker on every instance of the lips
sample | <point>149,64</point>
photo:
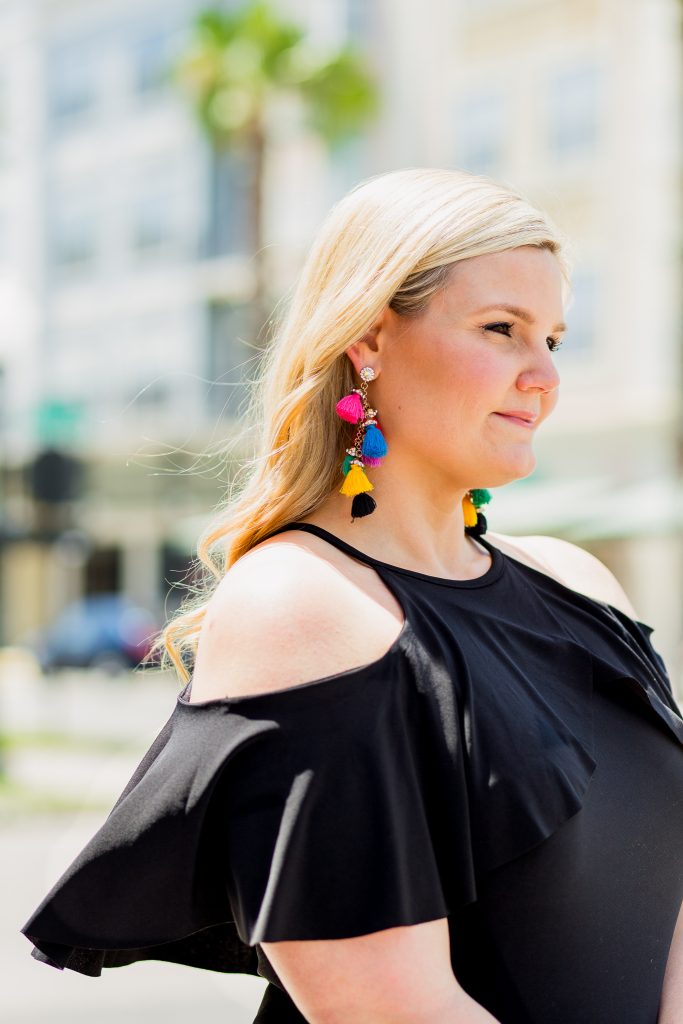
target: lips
<point>525,419</point>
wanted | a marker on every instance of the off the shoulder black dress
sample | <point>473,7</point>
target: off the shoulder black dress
<point>513,762</point>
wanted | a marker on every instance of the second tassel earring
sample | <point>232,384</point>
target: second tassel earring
<point>475,520</point>
<point>369,446</point>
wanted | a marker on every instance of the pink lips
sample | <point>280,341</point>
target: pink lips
<point>525,419</point>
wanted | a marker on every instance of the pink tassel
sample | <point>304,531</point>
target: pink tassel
<point>370,461</point>
<point>350,408</point>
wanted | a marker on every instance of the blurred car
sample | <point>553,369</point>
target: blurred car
<point>104,631</point>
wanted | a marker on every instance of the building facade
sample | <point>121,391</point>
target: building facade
<point>124,272</point>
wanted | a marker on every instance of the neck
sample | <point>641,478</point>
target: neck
<point>417,536</point>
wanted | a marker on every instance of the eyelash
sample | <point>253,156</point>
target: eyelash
<point>556,342</point>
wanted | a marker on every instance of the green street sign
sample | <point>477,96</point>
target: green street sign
<point>59,421</point>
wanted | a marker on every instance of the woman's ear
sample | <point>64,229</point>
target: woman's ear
<point>365,351</point>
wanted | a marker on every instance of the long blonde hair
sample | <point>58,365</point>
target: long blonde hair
<point>390,241</point>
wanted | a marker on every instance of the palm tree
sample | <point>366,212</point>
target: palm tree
<point>238,64</point>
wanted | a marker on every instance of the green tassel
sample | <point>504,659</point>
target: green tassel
<point>480,496</point>
<point>346,464</point>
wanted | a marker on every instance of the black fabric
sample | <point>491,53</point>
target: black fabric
<point>513,763</point>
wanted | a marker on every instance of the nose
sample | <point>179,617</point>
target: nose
<point>543,376</point>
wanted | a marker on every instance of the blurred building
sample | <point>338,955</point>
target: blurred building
<point>123,271</point>
<point>578,104</point>
<point>123,281</point>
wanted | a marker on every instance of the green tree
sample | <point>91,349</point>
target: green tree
<point>238,64</point>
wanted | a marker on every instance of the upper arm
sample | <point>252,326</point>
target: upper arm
<point>278,620</point>
<point>396,975</point>
<point>577,569</point>
<point>671,1005</point>
<point>281,617</point>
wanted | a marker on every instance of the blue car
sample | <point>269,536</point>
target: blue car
<point>105,631</point>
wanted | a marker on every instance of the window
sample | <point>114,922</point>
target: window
<point>480,132</point>
<point>227,226</point>
<point>155,393</point>
<point>73,238</point>
<point>4,122</point>
<point>231,361</point>
<point>348,162</point>
<point>581,314</point>
<point>72,81</point>
<point>151,229</point>
<point>573,111</point>
<point>488,6</point>
<point>162,209</point>
<point>4,400</point>
<point>358,16</point>
<point>153,52</point>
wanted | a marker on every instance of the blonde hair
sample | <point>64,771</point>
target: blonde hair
<point>390,241</point>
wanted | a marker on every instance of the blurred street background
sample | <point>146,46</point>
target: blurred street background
<point>164,165</point>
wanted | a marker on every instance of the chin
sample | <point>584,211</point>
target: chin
<point>501,475</point>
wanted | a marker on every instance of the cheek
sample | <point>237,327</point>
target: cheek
<point>452,399</point>
<point>470,382</point>
<point>452,387</point>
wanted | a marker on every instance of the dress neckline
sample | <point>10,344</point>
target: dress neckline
<point>492,574</point>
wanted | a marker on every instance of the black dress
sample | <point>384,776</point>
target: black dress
<point>513,762</point>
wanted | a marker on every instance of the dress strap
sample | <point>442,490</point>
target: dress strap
<point>490,576</point>
<point>320,531</point>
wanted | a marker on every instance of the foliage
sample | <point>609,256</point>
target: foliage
<point>239,61</point>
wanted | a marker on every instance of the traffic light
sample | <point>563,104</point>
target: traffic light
<point>55,476</point>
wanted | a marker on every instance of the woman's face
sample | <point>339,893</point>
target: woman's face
<point>447,377</point>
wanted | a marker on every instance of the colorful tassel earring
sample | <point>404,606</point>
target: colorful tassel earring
<point>475,521</point>
<point>369,446</point>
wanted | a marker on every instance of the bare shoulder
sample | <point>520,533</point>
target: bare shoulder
<point>287,613</point>
<point>570,564</point>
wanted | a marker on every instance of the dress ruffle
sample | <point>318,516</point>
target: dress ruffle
<point>298,814</point>
<point>374,798</point>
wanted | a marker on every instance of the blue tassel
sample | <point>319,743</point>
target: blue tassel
<point>374,444</point>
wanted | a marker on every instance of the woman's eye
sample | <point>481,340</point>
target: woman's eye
<point>553,343</point>
<point>492,327</point>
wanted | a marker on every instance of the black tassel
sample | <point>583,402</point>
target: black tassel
<point>362,505</point>
<point>479,527</point>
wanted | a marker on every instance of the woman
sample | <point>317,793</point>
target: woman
<point>418,774</point>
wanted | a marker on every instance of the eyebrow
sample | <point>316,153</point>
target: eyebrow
<point>522,314</point>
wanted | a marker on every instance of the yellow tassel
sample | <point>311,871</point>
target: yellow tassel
<point>355,482</point>
<point>469,511</point>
